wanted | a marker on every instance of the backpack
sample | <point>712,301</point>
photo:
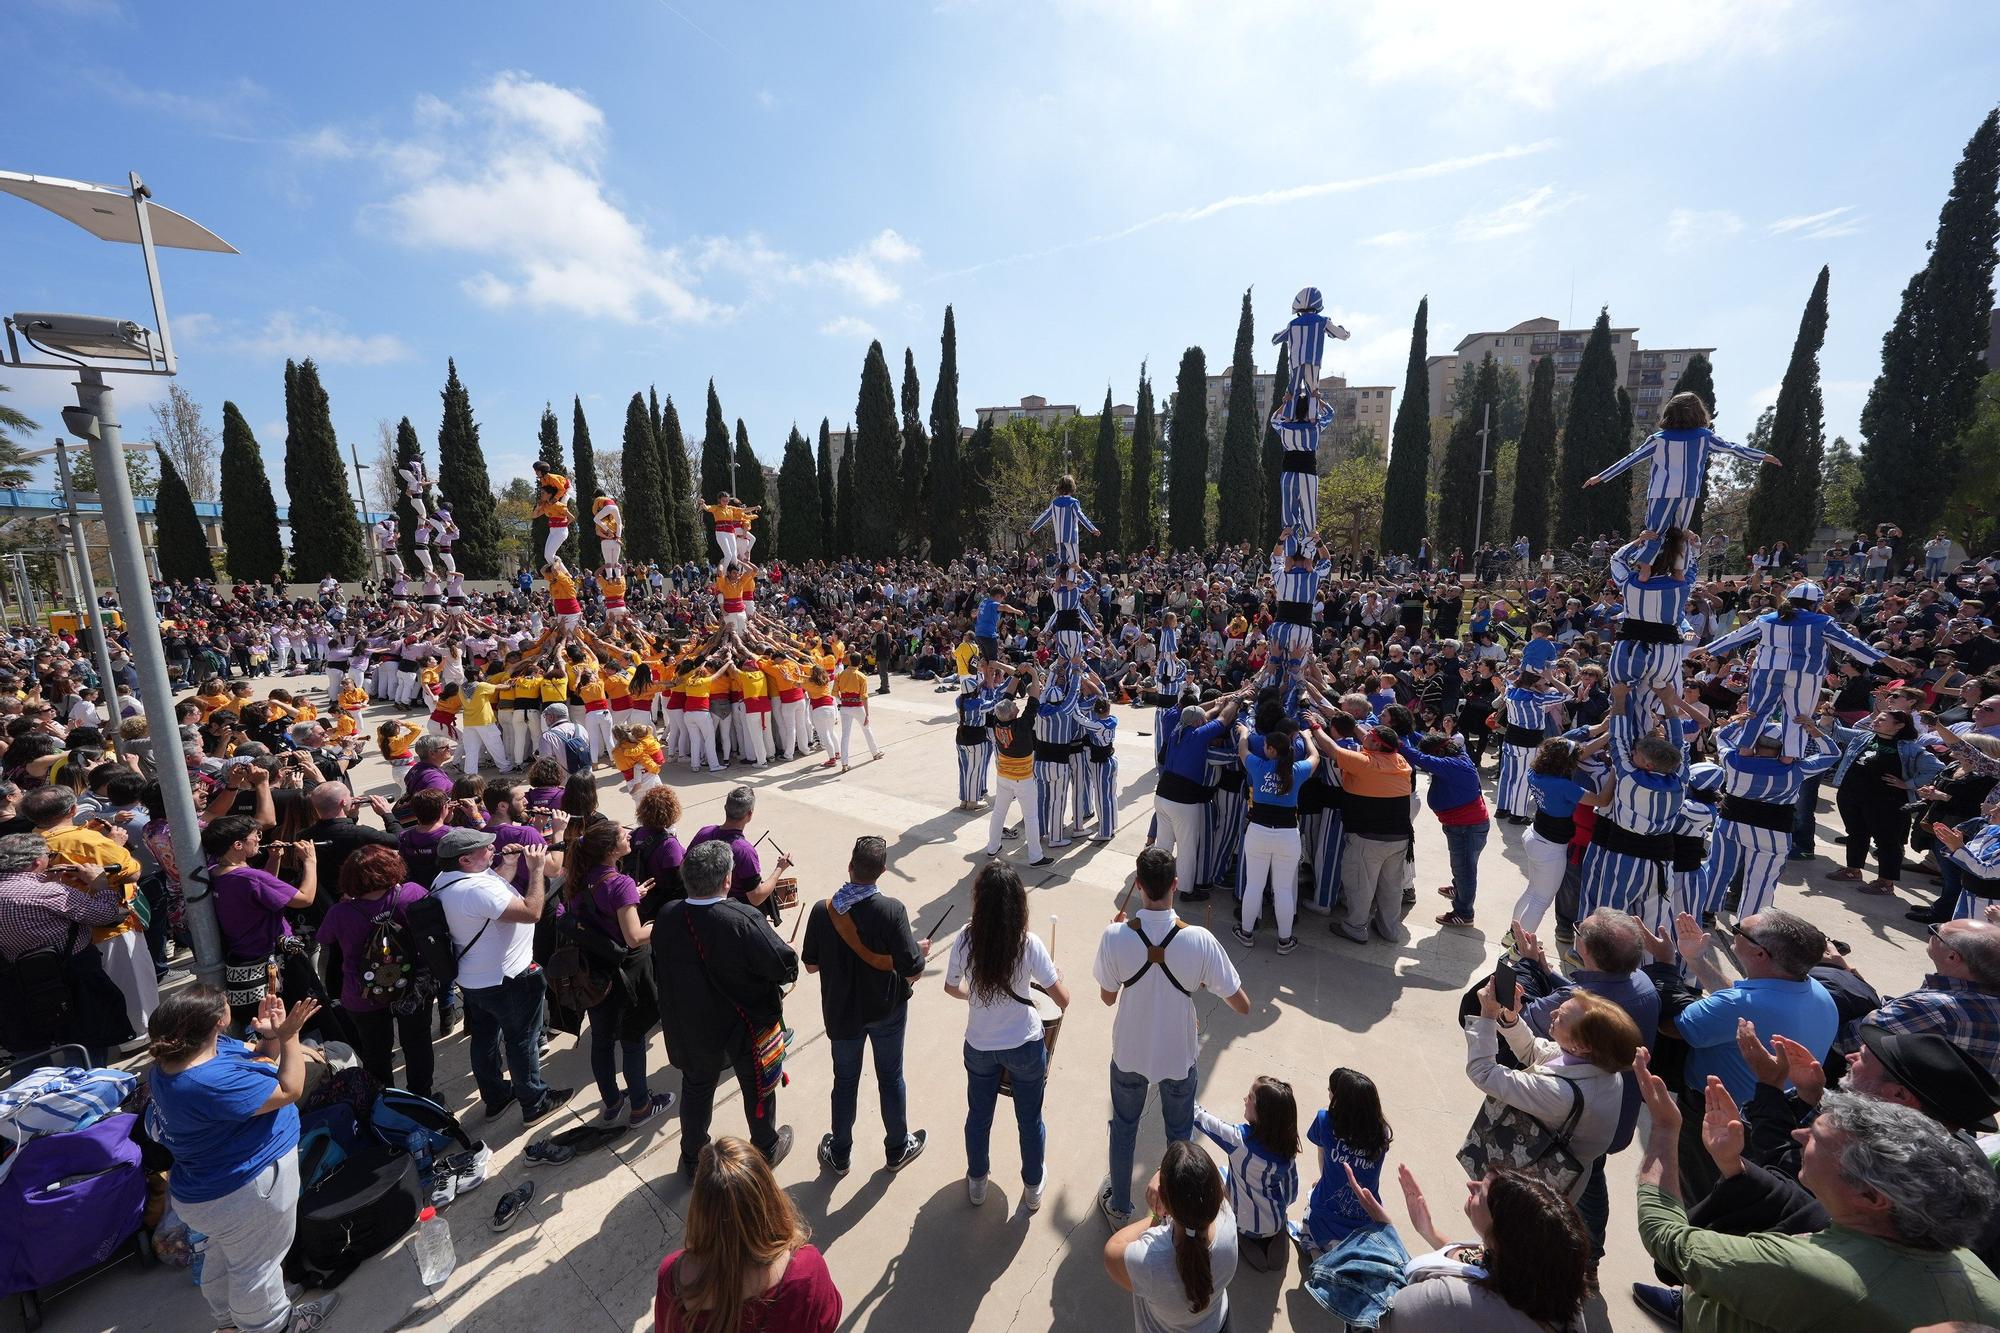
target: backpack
<point>327,1137</point>
<point>576,752</point>
<point>416,1125</point>
<point>428,937</point>
<point>353,1213</point>
<point>387,967</point>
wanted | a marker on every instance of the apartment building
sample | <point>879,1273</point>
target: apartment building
<point>1650,375</point>
<point>1370,406</point>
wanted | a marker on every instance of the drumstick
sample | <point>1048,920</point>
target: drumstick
<point>1052,934</point>
<point>931,934</point>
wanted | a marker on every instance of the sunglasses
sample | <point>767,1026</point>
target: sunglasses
<point>1738,931</point>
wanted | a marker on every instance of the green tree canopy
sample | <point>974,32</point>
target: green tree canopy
<point>799,536</point>
<point>1784,506</point>
<point>876,444</point>
<point>947,532</point>
<point>462,479</point>
<point>326,533</point>
<point>1406,497</point>
<point>645,509</point>
<point>252,551</point>
<point>1187,456</point>
<point>177,534</point>
<point>1243,427</point>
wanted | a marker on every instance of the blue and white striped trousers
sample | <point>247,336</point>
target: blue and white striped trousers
<point>1051,792</point>
<point>1321,836</point>
<point>1222,838</point>
<point>1623,881</point>
<point>1786,696</point>
<point>1512,792</point>
<point>1663,512</point>
<point>973,763</point>
<point>1298,501</point>
<point>1758,854</point>
<point>1104,790</point>
<point>1650,665</point>
<point>1082,795</point>
<point>1067,644</point>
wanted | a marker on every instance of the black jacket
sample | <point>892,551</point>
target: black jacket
<point>851,993</point>
<point>715,996</point>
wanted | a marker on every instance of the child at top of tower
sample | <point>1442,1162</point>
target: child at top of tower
<point>1677,457</point>
<point>1305,344</point>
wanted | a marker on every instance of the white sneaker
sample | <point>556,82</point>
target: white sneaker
<point>1031,1200</point>
<point>975,1189</point>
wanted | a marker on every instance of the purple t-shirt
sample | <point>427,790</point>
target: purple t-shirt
<point>348,925</point>
<point>508,835</point>
<point>664,858</point>
<point>250,909</point>
<point>549,798</point>
<point>422,839</point>
<point>427,776</point>
<point>749,871</point>
<point>608,892</point>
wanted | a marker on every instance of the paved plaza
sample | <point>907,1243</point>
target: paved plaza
<point>908,1251</point>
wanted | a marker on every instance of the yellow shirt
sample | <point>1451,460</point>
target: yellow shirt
<point>88,847</point>
<point>724,514</point>
<point>449,707</point>
<point>591,692</point>
<point>818,695</point>
<point>212,703</point>
<point>305,712</point>
<point>477,702</point>
<point>343,727</point>
<point>353,697</point>
<point>963,655</point>
<point>403,738</point>
<point>698,686</point>
<point>751,684</point>
<point>852,687</point>
<point>617,685</point>
<point>555,689</point>
<point>562,587</point>
<point>644,753</point>
<point>527,685</point>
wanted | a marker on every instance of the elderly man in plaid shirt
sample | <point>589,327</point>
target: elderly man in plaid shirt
<point>1960,996</point>
<point>38,911</point>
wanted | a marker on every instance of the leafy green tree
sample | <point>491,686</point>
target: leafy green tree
<point>1187,455</point>
<point>1784,506</point>
<point>1699,380</point>
<point>140,472</point>
<point>1839,474</point>
<point>798,502</point>
<point>913,495</point>
<point>1242,470</point>
<point>1108,481</point>
<point>408,453</point>
<point>823,466</point>
<point>1535,461</point>
<point>688,538</point>
<point>876,447</point>
<point>644,511</point>
<point>1595,436</point>
<point>462,479</point>
<point>178,536</point>
<point>1404,501</point>
<point>718,468</point>
<point>1972,514</point>
<point>1350,499</point>
<point>251,550</point>
<point>1270,517</point>
<point>1142,527</point>
<point>1933,355</point>
<point>975,486</point>
<point>844,516</point>
<point>947,536</point>
<point>670,536</point>
<point>326,535</point>
<point>584,481</point>
<point>1464,495</point>
<point>750,488</point>
<point>13,423</point>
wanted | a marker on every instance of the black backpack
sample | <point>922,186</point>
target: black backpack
<point>356,1211</point>
<point>428,936</point>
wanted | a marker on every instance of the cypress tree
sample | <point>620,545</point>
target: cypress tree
<point>548,449</point>
<point>462,480</point>
<point>1142,528</point>
<point>913,496</point>
<point>409,453</point>
<point>947,539</point>
<point>1699,380</point>
<point>326,535</point>
<point>1933,355</point>
<point>644,510</point>
<point>678,478</point>
<point>750,488</point>
<point>1785,504</point>
<point>875,447</point>
<point>1535,461</point>
<point>1594,437</point>
<point>1187,456</point>
<point>1107,501</point>
<point>1242,472</point>
<point>177,533</point>
<point>583,471</point>
<point>844,518</point>
<point>798,501</point>
<point>1460,503</point>
<point>975,487</point>
<point>252,552</point>
<point>823,465</point>
<point>1404,496</point>
<point>670,543</point>
<point>718,469</point>
<point>1270,518</point>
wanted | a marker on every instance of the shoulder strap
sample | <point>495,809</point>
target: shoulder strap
<point>850,935</point>
<point>1156,956</point>
<point>1568,1126</point>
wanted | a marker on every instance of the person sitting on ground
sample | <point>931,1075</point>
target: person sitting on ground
<point>1177,1260</point>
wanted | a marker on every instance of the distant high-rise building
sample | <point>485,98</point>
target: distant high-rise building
<point>1369,406</point>
<point>1649,375</point>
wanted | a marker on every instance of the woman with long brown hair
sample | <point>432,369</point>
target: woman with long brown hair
<point>994,962</point>
<point>746,1263</point>
<point>1177,1268</point>
<point>375,882</point>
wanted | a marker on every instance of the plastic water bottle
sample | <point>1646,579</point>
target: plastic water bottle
<point>436,1257</point>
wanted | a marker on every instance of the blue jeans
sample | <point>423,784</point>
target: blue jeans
<point>1028,1063</point>
<point>1465,842</point>
<point>1128,1100</point>
<point>886,1034</point>
<point>1805,818</point>
<point>605,1021</point>
<point>508,1014</point>
<point>1933,568</point>
<point>1595,1208</point>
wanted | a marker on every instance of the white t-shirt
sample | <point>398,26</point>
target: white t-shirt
<point>1153,1034</point>
<point>1006,1023</point>
<point>505,948</point>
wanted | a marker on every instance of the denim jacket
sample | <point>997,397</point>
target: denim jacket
<point>1919,764</point>
<point>1357,1280</point>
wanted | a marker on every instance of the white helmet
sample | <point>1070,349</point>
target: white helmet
<point>1805,591</point>
<point>1307,299</point>
<point>968,684</point>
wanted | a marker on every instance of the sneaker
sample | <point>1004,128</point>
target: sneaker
<point>444,1189</point>
<point>782,1148</point>
<point>827,1159</point>
<point>1355,936</point>
<point>1243,937</point>
<point>1452,919</point>
<point>611,1111</point>
<point>1031,1198</point>
<point>1045,861</point>
<point>1663,1303</point>
<point>913,1148</point>
<point>468,1169</point>
<point>658,1104</point>
<point>1287,943</point>
<point>309,1315</point>
<point>556,1099</point>
<point>1116,1216</point>
<point>512,1204</point>
<point>975,1189</point>
<point>547,1152</point>
<point>1194,895</point>
<point>493,1110</point>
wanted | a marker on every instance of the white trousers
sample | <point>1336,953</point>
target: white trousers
<point>793,728</point>
<point>612,548</point>
<point>598,723</point>
<point>848,717</point>
<point>127,962</point>
<point>1273,854</point>
<point>822,724</point>
<point>752,736</point>
<point>1547,861</point>
<point>554,543</point>
<point>486,739</point>
<point>701,740</point>
<point>1178,828</point>
<point>1006,791</point>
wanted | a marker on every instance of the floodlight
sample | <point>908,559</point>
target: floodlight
<point>98,336</point>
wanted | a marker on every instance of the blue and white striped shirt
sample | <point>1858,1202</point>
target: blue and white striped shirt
<point>1298,584</point>
<point>1262,1188</point>
<point>1170,644</point>
<point>1767,777</point>
<point>1529,708</point>
<point>1645,802</point>
<point>1661,599</point>
<point>1057,717</point>
<point>1066,512</point>
<point>1679,461</point>
<point>1304,339</point>
<point>1301,435</point>
<point>1797,644</point>
<point>1098,730</point>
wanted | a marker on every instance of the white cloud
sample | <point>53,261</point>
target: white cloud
<point>866,273</point>
<point>1687,227</point>
<point>292,334</point>
<point>557,116</point>
<point>1517,215</point>
<point>1527,53</point>
<point>848,326</point>
<point>767,99</point>
<point>1842,221</point>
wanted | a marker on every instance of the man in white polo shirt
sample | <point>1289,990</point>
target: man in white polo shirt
<point>493,933</point>
<point>1150,968</point>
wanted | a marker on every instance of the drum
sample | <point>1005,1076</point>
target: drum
<point>785,893</point>
<point>1051,1015</point>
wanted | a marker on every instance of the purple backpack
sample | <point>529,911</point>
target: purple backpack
<point>69,1203</point>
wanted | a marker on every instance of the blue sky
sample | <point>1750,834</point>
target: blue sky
<point>593,198</point>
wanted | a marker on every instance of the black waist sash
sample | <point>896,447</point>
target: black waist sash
<point>1300,460</point>
<point>1555,828</point>
<point>1275,816</point>
<point>1176,787</point>
<point>1526,737</point>
<point>1689,851</point>
<point>1295,613</point>
<point>1647,631</point>
<point>971,735</point>
<point>1069,618</point>
<point>1645,846</point>
<point>1758,814</point>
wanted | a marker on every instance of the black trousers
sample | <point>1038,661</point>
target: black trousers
<point>698,1108</point>
<point>1873,813</point>
<point>376,1033</point>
